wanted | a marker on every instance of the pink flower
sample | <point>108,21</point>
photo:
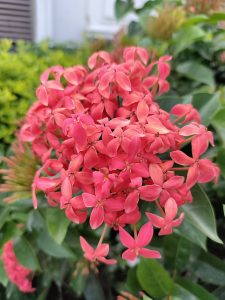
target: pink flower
<point>136,245</point>
<point>102,142</point>
<point>160,188</point>
<point>186,113</point>
<point>199,170</point>
<point>17,274</point>
<point>98,254</point>
<point>167,223</point>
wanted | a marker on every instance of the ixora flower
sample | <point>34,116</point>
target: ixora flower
<point>18,274</point>
<point>105,147</point>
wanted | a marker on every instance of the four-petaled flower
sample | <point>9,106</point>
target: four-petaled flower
<point>167,222</point>
<point>136,245</point>
<point>98,254</point>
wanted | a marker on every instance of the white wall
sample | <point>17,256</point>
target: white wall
<point>70,20</point>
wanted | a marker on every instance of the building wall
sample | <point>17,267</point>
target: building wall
<point>72,20</point>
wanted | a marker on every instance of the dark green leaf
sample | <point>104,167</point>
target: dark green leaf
<point>220,292</point>
<point>208,268</point>
<point>49,246</point>
<point>3,276</point>
<point>219,118</point>
<point>132,281</point>
<point>154,279</point>
<point>200,213</point>
<point>57,224</point>
<point>93,290</point>
<point>122,7</point>
<point>194,288</point>
<point>177,251</point>
<point>185,37</point>
<point>26,254</point>
<point>182,294</point>
<point>148,5</point>
<point>191,233</point>
<point>4,216</point>
<point>221,160</point>
<point>78,283</point>
<point>196,71</point>
<point>206,104</point>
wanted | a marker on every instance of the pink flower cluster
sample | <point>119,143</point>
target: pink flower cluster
<point>17,274</point>
<point>106,147</point>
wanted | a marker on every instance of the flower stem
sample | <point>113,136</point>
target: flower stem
<point>135,231</point>
<point>102,235</point>
<point>160,208</point>
<point>187,140</point>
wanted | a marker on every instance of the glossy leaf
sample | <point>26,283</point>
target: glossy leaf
<point>3,276</point>
<point>221,160</point>
<point>196,71</point>
<point>219,118</point>
<point>185,37</point>
<point>57,224</point>
<point>50,247</point>
<point>209,268</point>
<point>195,289</point>
<point>123,7</point>
<point>154,279</point>
<point>201,215</point>
<point>132,280</point>
<point>191,233</point>
<point>182,293</point>
<point>93,290</point>
<point>177,251</point>
<point>206,104</point>
<point>25,254</point>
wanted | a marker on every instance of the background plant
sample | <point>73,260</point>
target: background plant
<point>20,68</point>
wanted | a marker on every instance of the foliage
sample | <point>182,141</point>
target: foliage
<point>20,68</point>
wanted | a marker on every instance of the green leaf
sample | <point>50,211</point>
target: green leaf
<point>93,290</point>
<point>195,20</point>
<point>146,298</point>
<point>191,233</point>
<point>216,17</point>
<point>206,104</point>
<point>194,288</point>
<point>57,224</point>
<point>26,254</point>
<point>4,216</point>
<point>181,293</point>
<point>208,268</point>
<point>78,283</point>
<point>220,292</point>
<point>196,71</point>
<point>221,160</point>
<point>219,118</point>
<point>147,6</point>
<point>3,276</point>
<point>49,246</point>
<point>200,213</point>
<point>177,251</point>
<point>154,279</point>
<point>132,281</point>
<point>122,7</point>
<point>185,37</point>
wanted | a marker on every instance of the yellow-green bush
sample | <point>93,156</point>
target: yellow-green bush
<point>20,68</point>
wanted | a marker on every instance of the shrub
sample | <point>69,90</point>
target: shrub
<point>20,68</point>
